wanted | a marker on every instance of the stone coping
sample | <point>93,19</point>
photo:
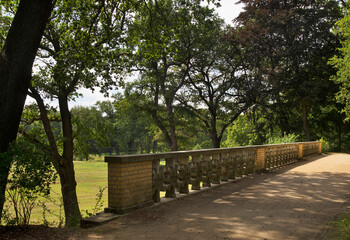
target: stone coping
<point>178,154</point>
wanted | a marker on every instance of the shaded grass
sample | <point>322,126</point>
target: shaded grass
<point>341,228</point>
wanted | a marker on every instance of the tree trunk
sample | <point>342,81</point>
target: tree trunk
<point>173,139</point>
<point>214,134</point>
<point>16,61</point>
<point>305,120</point>
<point>215,142</point>
<point>67,174</point>
<point>159,124</point>
<point>130,146</point>
<point>339,138</point>
<point>63,164</point>
<point>117,150</point>
<point>141,145</point>
<point>148,146</point>
<point>172,128</point>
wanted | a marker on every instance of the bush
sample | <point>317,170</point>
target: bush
<point>286,138</point>
<point>30,177</point>
<point>326,147</point>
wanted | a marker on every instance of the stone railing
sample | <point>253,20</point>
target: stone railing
<point>138,180</point>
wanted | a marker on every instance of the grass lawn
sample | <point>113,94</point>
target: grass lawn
<point>89,176</point>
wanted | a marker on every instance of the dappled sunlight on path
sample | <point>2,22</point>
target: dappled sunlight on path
<point>296,202</point>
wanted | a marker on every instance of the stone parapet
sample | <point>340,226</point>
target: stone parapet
<point>137,180</point>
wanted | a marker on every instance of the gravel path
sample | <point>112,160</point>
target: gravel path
<point>296,202</point>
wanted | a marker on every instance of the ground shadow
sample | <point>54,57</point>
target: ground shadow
<point>296,202</point>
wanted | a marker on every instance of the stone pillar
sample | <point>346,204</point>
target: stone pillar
<point>195,172</point>
<point>260,159</point>
<point>171,192</point>
<point>319,147</point>
<point>183,178</point>
<point>206,170</point>
<point>216,168</point>
<point>300,151</point>
<point>129,184</point>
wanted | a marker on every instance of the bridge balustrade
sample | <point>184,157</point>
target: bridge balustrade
<point>139,180</point>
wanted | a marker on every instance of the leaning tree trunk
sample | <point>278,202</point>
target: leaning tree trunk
<point>16,61</point>
<point>62,163</point>
<point>66,172</point>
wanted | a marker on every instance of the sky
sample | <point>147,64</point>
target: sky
<point>228,11</point>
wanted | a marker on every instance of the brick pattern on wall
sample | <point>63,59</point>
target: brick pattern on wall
<point>260,159</point>
<point>129,184</point>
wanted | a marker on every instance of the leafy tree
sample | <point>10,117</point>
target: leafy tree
<point>134,128</point>
<point>289,43</point>
<point>218,89</point>
<point>158,35</point>
<point>90,131</point>
<point>82,47</point>
<point>16,59</point>
<point>242,132</point>
<point>109,115</point>
<point>164,35</point>
<point>341,61</point>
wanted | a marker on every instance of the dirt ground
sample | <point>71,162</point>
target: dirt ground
<point>296,202</point>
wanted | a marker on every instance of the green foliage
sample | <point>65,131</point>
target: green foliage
<point>163,60</point>
<point>286,138</point>
<point>135,130</point>
<point>82,47</point>
<point>287,44</point>
<point>341,228</point>
<point>30,177</point>
<point>241,133</point>
<point>7,10</point>
<point>49,210</point>
<point>325,145</point>
<point>342,61</point>
<point>90,131</point>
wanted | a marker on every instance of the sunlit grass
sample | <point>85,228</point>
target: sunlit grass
<point>90,176</point>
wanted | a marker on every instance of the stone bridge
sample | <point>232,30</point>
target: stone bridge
<point>290,197</point>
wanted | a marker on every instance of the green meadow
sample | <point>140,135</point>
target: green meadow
<point>90,176</point>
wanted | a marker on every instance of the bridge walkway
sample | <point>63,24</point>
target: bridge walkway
<point>295,202</point>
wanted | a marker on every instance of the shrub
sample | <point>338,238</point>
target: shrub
<point>30,177</point>
<point>286,138</point>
